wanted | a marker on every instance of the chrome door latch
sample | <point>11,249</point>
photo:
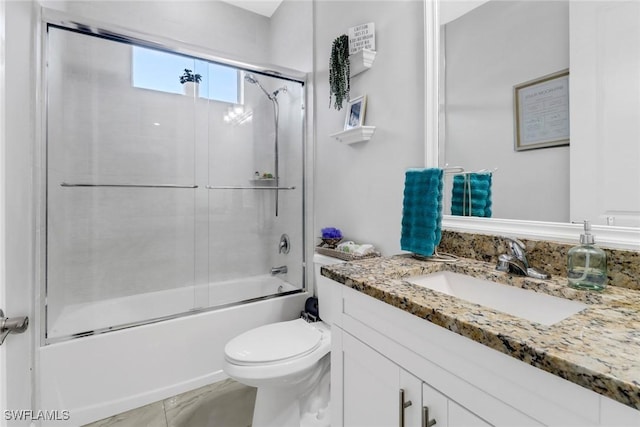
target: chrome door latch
<point>14,325</point>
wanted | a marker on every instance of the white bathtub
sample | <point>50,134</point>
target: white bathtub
<point>101,375</point>
<point>115,312</point>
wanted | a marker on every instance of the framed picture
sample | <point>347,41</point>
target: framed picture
<point>355,112</point>
<point>541,112</point>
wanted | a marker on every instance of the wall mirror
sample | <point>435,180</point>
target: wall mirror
<point>481,50</point>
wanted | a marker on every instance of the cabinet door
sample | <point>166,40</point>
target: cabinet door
<point>370,386</point>
<point>460,417</point>
<point>411,390</point>
<point>445,412</point>
<point>434,407</point>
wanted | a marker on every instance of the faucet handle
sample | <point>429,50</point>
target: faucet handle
<point>517,249</point>
<point>514,241</point>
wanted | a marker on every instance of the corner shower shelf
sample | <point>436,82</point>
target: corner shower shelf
<point>358,134</point>
<point>361,61</point>
<point>263,182</point>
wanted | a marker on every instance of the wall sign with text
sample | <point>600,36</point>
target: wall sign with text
<point>362,37</point>
<point>541,112</point>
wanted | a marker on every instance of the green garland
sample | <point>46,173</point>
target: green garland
<point>339,79</point>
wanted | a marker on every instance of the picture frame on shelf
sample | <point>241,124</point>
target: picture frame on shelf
<point>356,109</point>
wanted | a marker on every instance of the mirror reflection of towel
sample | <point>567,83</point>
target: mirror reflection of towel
<point>422,211</point>
<point>471,195</point>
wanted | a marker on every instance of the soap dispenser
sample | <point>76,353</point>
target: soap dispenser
<point>587,264</point>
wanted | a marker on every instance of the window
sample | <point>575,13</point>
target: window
<point>157,70</point>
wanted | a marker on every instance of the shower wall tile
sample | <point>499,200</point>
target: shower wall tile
<point>244,231</point>
<point>106,129</point>
<point>107,243</point>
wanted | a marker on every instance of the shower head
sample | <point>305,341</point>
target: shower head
<point>250,78</point>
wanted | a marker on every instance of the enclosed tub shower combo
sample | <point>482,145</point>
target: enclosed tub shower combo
<point>174,215</point>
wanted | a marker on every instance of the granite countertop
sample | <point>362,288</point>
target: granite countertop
<point>597,348</point>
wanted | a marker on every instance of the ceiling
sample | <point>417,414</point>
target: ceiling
<point>262,7</point>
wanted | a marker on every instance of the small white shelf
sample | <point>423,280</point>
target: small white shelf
<point>361,61</point>
<point>351,136</point>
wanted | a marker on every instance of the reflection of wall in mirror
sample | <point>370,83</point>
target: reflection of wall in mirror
<point>605,94</point>
<point>489,50</point>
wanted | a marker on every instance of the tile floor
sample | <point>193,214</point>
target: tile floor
<point>223,404</point>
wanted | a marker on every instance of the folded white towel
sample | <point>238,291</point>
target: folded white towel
<point>365,249</point>
<point>353,248</point>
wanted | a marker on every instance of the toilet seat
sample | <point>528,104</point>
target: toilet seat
<point>287,367</point>
<point>273,344</point>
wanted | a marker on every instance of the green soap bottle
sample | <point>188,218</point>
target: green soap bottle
<point>587,263</point>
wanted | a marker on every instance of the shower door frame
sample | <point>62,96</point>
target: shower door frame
<point>92,28</point>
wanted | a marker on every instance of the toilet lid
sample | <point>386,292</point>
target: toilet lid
<point>274,342</point>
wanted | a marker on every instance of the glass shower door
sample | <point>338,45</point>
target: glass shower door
<point>120,189</point>
<point>171,186</point>
<point>256,191</point>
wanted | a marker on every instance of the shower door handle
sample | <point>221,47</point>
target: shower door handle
<point>14,325</point>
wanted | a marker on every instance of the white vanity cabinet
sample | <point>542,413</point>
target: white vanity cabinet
<point>379,393</point>
<point>378,349</point>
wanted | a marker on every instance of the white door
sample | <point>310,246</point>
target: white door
<point>17,229</point>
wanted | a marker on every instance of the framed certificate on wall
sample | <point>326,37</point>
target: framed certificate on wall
<point>541,112</point>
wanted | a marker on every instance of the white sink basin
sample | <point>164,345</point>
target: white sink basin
<point>529,305</point>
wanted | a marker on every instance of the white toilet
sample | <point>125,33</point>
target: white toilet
<point>289,363</point>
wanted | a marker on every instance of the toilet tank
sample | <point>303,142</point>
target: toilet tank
<point>326,289</point>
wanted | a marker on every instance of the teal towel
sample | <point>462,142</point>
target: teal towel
<point>422,211</point>
<point>471,195</point>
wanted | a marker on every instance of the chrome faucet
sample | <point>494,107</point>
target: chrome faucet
<point>516,261</point>
<point>279,270</point>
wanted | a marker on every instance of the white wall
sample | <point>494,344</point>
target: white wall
<point>359,188</point>
<point>290,35</point>
<point>453,9</point>
<point>489,50</point>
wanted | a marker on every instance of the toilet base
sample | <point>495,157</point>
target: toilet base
<point>304,405</point>
<point>276,407</point>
